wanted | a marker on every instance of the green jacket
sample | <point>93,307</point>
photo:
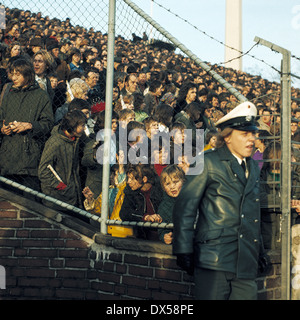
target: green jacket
<point>227,234</point>
<point>62,154</point>
<point>165,210</point>
<point>20,152</point>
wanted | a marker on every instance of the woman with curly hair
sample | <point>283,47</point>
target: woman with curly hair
<point>187,94</point>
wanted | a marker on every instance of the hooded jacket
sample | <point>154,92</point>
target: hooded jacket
<point>62,154</point>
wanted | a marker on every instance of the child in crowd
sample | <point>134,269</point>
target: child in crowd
<point>151,126</point>
<point>53,77</point>
<point>143,195</point>
<point>160,152</point>
<point>93,152</point>
<point>177,137</point>
<point>125,116</point>
<point>59,166</point>
<point>116,198</point>
<point>137,144</point>
<point>139,104</point>
<point>211,140</point>
<point>172,179</point>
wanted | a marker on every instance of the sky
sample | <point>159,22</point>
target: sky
<point>277,21</point>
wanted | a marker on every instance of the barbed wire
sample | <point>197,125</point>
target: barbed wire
<point>222,43</point>
<point>293,56</point>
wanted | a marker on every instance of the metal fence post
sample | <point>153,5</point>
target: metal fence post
<point>108,113</point>
<point>285,166</point>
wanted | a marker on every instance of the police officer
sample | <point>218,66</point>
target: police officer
<point>217,214</point>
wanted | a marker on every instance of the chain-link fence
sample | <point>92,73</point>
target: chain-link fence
<point>64,47</point>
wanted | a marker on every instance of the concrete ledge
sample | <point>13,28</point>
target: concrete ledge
<point>133,244</point>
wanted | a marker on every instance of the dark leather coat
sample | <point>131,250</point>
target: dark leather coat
<point>227,233</point>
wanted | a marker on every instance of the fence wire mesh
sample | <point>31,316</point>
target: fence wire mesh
<point>64,48</point>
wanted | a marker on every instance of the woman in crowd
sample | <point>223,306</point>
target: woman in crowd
<point>26,119</point>
<point>44,64</point>
<point>75,59</point>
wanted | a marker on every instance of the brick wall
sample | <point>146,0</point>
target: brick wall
<point>49,255</point>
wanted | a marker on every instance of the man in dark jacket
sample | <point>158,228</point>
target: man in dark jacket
<point>223,250</point>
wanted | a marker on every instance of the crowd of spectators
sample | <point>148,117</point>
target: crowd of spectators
<point>155,91</point>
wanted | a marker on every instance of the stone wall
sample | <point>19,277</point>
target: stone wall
<point>50,255</point>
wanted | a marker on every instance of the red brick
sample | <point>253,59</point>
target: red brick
<point>44,233</point>
<point>77,263</point>
<point>109,277</point>
<point>40,273</point>
<point>119,289</point>
<point>174,287</point>
<point>37,224</point>
<point>11,223</point>
<point>5,252</point>
<point>170,264</point>
<point>58,243</point>
<point>32,282</point>
<point>165,296</point>
<point>7,205</point>
<point>134,259</point>
<point>75,283</point>
<point>10,243</point>
<point>72,274</point>
<point>23,233</point>
<point>32,243</point>
<point>103,286</point>
<point>139,293</point>
<point>20,252</point>
<point>7,233</point>
<point>121,268</point>
<point>67,234</point>
<point>155,262</point>
<point>140,271</point>
<point>26,214</point>
<point>70,253</point>
<point>69,294</point>
<point>76,244</point>
<point>117,257</point>
<point>8,214</point>
<point>134,281</point>
<point>167,275</point>
<point>57,263</point>
<point>33,262</point>
<point>42,253</point>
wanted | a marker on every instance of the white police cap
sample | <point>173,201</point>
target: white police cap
<point>242,117</point>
